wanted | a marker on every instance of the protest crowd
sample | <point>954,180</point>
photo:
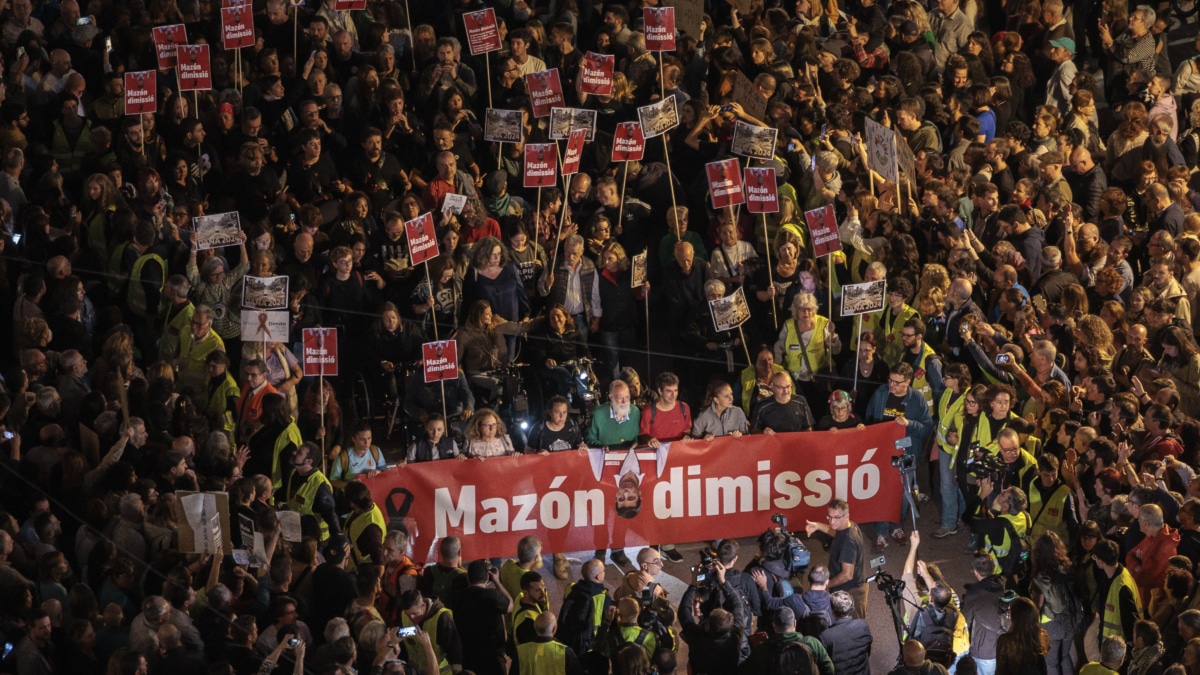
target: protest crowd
<point>259,254</point>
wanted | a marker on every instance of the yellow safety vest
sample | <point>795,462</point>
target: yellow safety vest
<point>983,432</point>
<point>870,322</point>
<point>950,417</point>
<point>921,376</point>
<point>1048,514</point>
<point>429,625</point>
<point>302,499</point>
<point>173,329</point>
<point>522,614</point>
<point>1110,620</point>
<point>136,298</point>
<point>218,404</point>
<point>888,333</point>
<point>290,434</point>
<point>795,353</point>
<point>510,577</point>
<point>641,637</point>
<point>356,525</point>
<point>1020,525</point>
<point>193,369</point>
<point>750,383</point>
<point>542,658</point>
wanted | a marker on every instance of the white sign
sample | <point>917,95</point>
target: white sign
<point>263,326</point>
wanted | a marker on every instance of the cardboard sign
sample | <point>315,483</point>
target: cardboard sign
<point>658,118</point>
<point>194,68</point>
<point>265,292</point>
<point>881,149</point>
<point>320,351</point>
<point>863,298</point>
<point>725,183</point>
<point>141,92</point>
<point>823,229</point>
<point>237,26</point>
<point>545,91</point>
<point>217,230</point>
<point>166,39</point>
<point>422,239</point>
<point>574,152</point>
<point>629,143</point>
<point>565,120</point>
<point>349,5</point>
<point>596,73</point>
<point>289,526</point>
<point>263,326</point>
<point>196,514</point>
<point>541,165</point>
<point>483,35</point>
<point>503,126</point>
<point>637,270</point>
<point>730,311</point>
<point>753,141</point>
<point>441,360</point>
<point>658,24</point>
<point>762,191</point>
<point>746,93</point>
<point>689,16</point>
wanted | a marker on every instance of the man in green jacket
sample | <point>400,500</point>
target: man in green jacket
<point>784,626</point>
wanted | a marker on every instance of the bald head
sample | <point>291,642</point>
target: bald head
<point>628,610</point>
<point>1081,160</point>
<point>960,292</point>
<point>593,570</point>
<point>914,654</point>
<point>545,624</point>
<point>169,637</point>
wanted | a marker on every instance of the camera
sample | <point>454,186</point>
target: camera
<point>891,587</point>
<point>986,466</point>
<point>796,557</point>
<point>294,642</point>
<point>905,462</point>
<point>708,563</point>
<point>1003,359</point>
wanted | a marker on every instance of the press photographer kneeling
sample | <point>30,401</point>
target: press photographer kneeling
<point>1002,523</point>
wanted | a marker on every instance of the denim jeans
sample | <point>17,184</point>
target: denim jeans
<point>985,666</point>
<point>953,504</point>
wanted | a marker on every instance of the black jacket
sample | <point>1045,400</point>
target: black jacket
<point>982,610</point>
<point>708,653</point>
<point>848,642</point>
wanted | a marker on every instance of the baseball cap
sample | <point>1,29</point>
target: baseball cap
<point>909,28</point>
<point>1064,42</point>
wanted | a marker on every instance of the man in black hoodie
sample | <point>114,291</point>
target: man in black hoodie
<point>584,608</point>
<point>982,608</point>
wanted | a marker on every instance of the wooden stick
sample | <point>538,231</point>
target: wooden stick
<point>321,398</point>
<point>745,346</point>
<point>857,359</point>
<point>621,206</point>
<point>487,64</point>
<point>295,36</point>
<point>647,300</point>
<point>433,310</point>
<point>670,178</point>
<point>770,272</point>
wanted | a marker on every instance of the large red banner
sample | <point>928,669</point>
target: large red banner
<point>679,492</point>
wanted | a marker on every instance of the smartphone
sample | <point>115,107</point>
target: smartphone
<point>824,131</point>
<point>726,108</point>
<point>108,44</point>
<point>83,21</point>
<point>16,237</point>
<point>313,55</point>
<point>294,642</point>
<point>1003,359</point>
<point>406,632</point>
<point>8,435</point>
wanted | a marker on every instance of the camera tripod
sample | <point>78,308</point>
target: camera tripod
<point>906,464</point>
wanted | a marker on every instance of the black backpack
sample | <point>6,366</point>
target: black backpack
<point>575,627</point>
<point>937,634</point>
<point>793,658</point>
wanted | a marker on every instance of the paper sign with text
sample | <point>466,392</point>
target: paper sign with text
<point>659,28</point>
<point>320,351</point>
<point>545,91</point>
<point>141,92</point>
<point>725,183</point>
<point>541,165</point>
<point>629,143</point>
<point>166,39</point>
<point>483,34</point>
<point>422,239</point>
<point>263,326</point>
<point>762,192</point>
<point>237,26</point>
<point>596,73</point>
<point>574,152</point>
<point>823,229</point>
<point>194,68</point>
<point>441,360</point>
<point>637,270</point>
<point>454,203</point>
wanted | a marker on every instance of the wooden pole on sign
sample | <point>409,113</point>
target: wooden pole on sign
<point>647,301</point>
<point>196,106</point>
<point>857,359</point>
<point>433,303</point>
<point>123,397</point>
<point>770,272</point>
<point>829,285</point>
<point>295,35</point>
<point>621,206</point>
<point>670,178</point>
<point>733,217</point>
<point>487,64</point>
<point>143,144</point>
<point>745,346</point>
<point>321,398</point>
<point>412,42</point>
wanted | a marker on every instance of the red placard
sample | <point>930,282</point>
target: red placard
<point>441,360</point>
<point>422,239</point>
<point>823,229</point>
<point>659,27</point>
<point>237,26</point>
<point>629,143</point>
<point>141,92</point>
<point>545,91</point>
<point>762,193</point>
<point>596,73</point>
<point>483,35</point>
<point>541,165</point>
<point>349,5</point>
<point>166,39</point>
<point>320,351</point>
<point>193,68</point>
<point>574,152</point>
<point>725,183</point>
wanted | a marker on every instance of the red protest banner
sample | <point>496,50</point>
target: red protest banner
<point>166,38</point>
<point>725,183</point>
<point>574,152</point>
<point>237,26</point>
<point>193,68</point>
<point>541,164</point>
<point>141,92</point>
<point>422,238</point>
<point>629,143</point>
<point>350,5</point>
<point>440,360</point>
<point>596,73</point>
<point>320,351</point>
<point>762,192</point>
<point>483,35</point>
<point>545,91</point>
<point>823,229</point>
<point>659,27</point>
<point>687,492</point>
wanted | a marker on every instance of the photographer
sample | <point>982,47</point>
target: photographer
<point>1003,528</point>
<point>741,582</point>
<point>937,623</point>
<point>715,638</point>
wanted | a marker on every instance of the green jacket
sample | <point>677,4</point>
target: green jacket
<point>760,660</point>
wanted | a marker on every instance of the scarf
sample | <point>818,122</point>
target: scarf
<point>1144,659</point>
<point>498,205</point>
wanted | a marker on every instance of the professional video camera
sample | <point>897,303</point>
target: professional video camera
<point>985,466</point>
<point>797,556</point>
<point>708,565</point>
<point>905,462</point>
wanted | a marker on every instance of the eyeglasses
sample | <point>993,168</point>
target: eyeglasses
<point>834,516</point>
<point>908,335</point>
<point>897,382</point>
<point>656,561</point>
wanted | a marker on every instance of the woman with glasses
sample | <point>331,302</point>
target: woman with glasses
<point>841,414</point>
<point>487,437</point>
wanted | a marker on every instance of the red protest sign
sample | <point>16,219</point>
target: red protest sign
<point>541,164</point>
<point>629,143</point>
<point>320,351</point>
<point>596,73</point>
<point>349,5</point>
<point>483,35</point>
<point>141,91</point>
<point>193,68</point>
<point>234,3</point>
<point>659,27</point>
<point>545,91</point>
<point>725,183</point>
<point>166,38</point>
<point>237,27</point>
<point>422,238</point>
<point>823,229</point>
<point>574,152</point>
<point>762,193</point>
<point>441,360</point>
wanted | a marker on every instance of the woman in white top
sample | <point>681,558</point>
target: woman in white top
<point>486,436</point>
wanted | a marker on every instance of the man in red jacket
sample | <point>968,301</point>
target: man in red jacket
<point>1147,561</point>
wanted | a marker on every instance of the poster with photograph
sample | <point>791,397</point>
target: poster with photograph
<point>629,144</point>
<point>823,228</point>
<point>762,190</point>
<point>440,360</point>
<point>237,26</point>
<point>193,67</point>
<point>565,120</point>
<point>545,91</point>
<point>753,141</point>
<point>541,165</point>
<point>596,73</point>
<point>658,118</point>
<point>637,270</point>
<point>658,25</point>
<point>483,34</point>
<point>453,203</point>
<point>320,351</point>
<point>730,311</point>
<point>725,183</point>
<point>262,326</point>
<point>881,149</point>
<point>265,292</point>
<point>574,152</point>
<point>141,92</point>
<point>746,94</point>
<point>166,39</point>
<point>863,298</point>
<point>503,126</point>
<point>217,230</point>
<point>422,238</point>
